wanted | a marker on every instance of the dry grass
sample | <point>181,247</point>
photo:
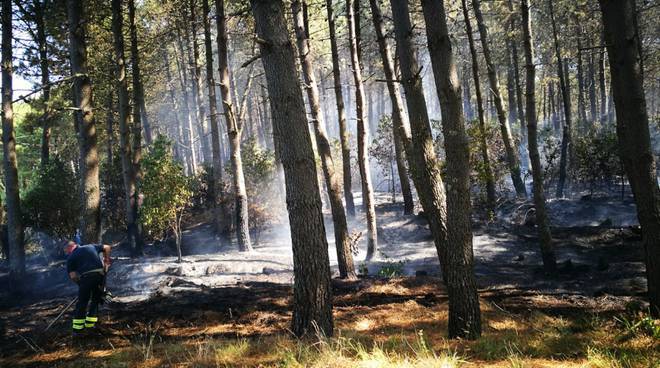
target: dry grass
<point>404,334</point>
<point>398,323</point>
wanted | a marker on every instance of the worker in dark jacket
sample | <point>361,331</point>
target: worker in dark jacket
<point>87,269</point>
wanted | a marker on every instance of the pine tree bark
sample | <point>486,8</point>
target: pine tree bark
<point>44,66</point>
<point>513,161</point>
<point>399,117</point>
<point>424,163</point>
<point>234,130</point>
<point>491,197</point>
<point>15,247</point>
<point>140,114</point>
<point>333,184</point>
<point>566,141</point>
<point>464,313</point>
<point>90,222</point>
<point>341,113</point>
<point>125,150</point>
<point>135,231</point>
<point>312,299</point>
<point>625,60</point>
<point>542,223</point>
<point>362,132</point>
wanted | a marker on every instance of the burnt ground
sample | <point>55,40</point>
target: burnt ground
<point>600,272</point>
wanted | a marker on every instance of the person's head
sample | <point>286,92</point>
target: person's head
<point>69,247</point>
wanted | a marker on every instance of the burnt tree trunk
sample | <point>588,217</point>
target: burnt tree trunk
<point>625,60</point>
<point>90,220</point>
<point>362,132</point>
<point>399,117</point>
<point>483,145</point>
<point>333,184</point>
<point>542,223</point>
<point>464,313</point>
<point>14,238</point>
<point>513,161</point>
<point>312,291</point>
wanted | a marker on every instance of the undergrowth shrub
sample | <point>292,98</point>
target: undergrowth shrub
<point>51,204</point>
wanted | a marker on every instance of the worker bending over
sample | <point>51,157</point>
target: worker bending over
<point>86,268</point>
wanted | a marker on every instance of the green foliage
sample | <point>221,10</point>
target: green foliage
<point>166,190</point>
<point>638,324</point>
<point>391,269</point>
<point>597,157</point>
<point>113,200</point>
<point>495,151</point>
<point>263,197</point>
<point>382,148</point>
<point>258,164</point>
<point>51,203</point>
<point>550,154</point>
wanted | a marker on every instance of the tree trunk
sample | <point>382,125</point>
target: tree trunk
<point>542,223</point>
<point>519,93</point>
<point>90,222</point>
<point>128,172</point>
<point>464,313</point>
<point>593,110</point>
<point>135,231</point>
<point>362,133</point>
<point>234,129</point>
<point>196,75</point>
<point>216,185</point>
<point>512,158</point>
<point>582,107</point>
<point>399,117</point>
<point>187,113</point>
<point>140,110</point>
<point>15,247</point>
<point>483,145</point>
<point>180,147</point>
<point>42,44</point>
<point>424,163</point>
<point>467,95</point>
<point>333,184</point>
<point>553,109</point>
<point>601,81</point>
<point>341,113</point>
<point>312,299</point>
<point>566,145</point>
<point>625,60</point>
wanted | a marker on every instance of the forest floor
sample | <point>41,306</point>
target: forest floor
<point>225,308</point>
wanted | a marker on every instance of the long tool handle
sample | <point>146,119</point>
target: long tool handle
<point>61,313</point>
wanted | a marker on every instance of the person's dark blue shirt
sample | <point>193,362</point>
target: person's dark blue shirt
<point>85,258</point>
